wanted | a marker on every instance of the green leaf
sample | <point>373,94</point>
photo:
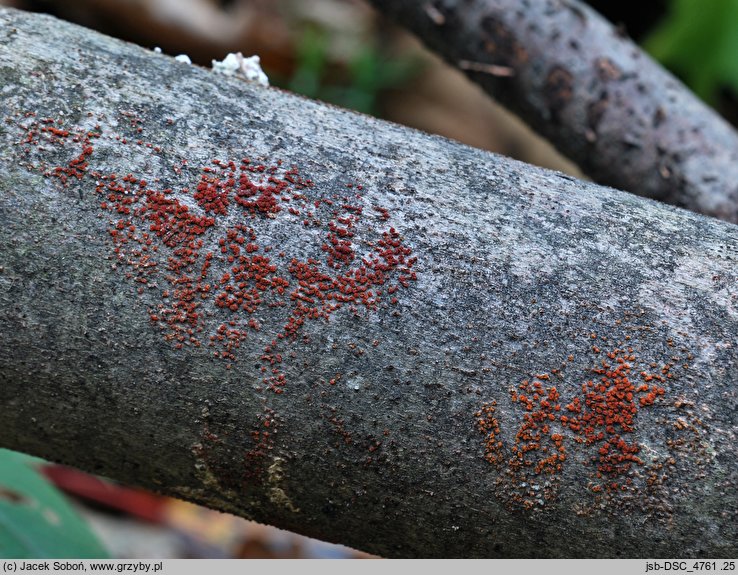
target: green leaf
<point>36,521</point>
<point>698,40</point>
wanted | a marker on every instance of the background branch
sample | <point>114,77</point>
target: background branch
<point>591,91</point>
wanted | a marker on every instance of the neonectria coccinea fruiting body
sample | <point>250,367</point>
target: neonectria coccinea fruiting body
<point>202,247</point>
<point>599,421</point>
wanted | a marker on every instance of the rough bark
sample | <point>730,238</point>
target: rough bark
<point>591,91</point>
<point>427,394</point>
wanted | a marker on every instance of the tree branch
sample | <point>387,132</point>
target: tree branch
<point>350,329</point>
<point>591,91</point>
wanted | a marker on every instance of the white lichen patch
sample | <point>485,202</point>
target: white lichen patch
<point>237,65</point>
<point>184,58</point>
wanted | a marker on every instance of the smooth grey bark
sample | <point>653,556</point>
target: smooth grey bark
<point>456,420</point>
<point>586,87</point>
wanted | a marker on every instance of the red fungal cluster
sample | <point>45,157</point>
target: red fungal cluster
<point>48,132</point>
<point>537,446</point>
<point>216,270</point>
<point>602,416</point>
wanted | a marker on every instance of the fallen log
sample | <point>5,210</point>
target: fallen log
<point>349,329</point>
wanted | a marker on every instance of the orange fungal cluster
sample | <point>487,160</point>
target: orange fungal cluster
<point>538,447</point>
<point>607,410</point>
<point>601,417</point>
<point>488,425</point>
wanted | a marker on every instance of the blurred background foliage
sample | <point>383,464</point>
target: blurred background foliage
<point>357,84</point>
<point>341,52</point>
<point>698,40</point>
